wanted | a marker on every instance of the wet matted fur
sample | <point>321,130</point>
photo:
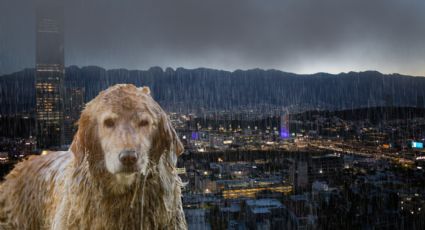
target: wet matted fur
<point>75,190</point>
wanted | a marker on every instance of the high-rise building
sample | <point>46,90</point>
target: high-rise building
<point>73,105</point>
<point>50,73</point>
<point>298,174</point>
<point>284,126</point>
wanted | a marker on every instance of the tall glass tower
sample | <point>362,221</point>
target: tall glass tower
<point>50,73</point>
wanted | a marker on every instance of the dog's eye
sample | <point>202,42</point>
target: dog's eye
<point>109,123</point>
<point>143,123</point>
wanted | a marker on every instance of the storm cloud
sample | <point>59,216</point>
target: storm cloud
<point>302,36</point>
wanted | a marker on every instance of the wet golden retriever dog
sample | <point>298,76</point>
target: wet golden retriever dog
<point>119,172</point>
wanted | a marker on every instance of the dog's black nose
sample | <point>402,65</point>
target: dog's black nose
<point>128,157</point>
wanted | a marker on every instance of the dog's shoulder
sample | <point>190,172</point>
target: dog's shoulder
<point>34,184</point>
<point>42,165</point>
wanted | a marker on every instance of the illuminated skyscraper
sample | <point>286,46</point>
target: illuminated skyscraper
<point>284,126</point>
<point>50,73</point>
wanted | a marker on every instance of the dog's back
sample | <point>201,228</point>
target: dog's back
<point>31,191</point>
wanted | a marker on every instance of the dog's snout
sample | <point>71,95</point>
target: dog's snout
<point>128,157</point>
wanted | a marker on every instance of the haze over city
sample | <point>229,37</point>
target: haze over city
<point>294,36</point>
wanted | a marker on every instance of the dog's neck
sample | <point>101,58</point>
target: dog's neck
<point>156,204</point>
<point>102,181</point>
<point>129,207</point>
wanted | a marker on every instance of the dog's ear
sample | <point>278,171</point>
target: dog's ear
<point>85,143</point>
<point>166,139</point>
<point>145,90</point>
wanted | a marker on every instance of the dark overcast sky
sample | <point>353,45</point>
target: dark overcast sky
<point>302,36</point>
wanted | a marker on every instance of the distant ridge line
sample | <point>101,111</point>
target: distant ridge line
<point>203,89</point>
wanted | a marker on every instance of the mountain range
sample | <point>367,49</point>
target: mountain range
<point>216,90</point>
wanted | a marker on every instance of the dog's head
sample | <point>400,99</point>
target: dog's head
<point>121,130</point>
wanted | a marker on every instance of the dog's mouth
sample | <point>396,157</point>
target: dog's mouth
<point>128,175</point>
<point>132,169</point>
<point>129,169</point>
